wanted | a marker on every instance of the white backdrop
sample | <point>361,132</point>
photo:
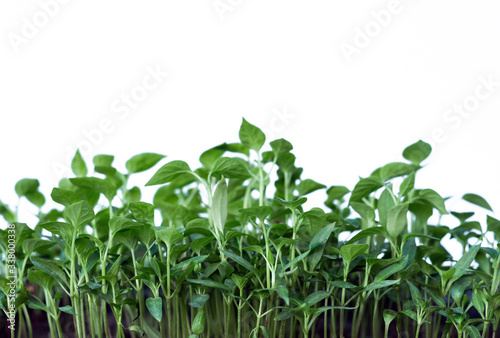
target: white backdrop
<point>349,83</point>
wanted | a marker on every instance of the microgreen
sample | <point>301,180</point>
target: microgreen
<point>216,254</point>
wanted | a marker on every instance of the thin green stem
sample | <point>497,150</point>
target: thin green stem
<point>73,291</point>
<point>333,332</point>
<point>485,330</point>
<point>418,330</point>
<point>262,187</point>
<point>257,327</point>
<point>239,321</point>
<point>228,317</point>
<point>27,320</point>
<point>305,329</point>
<point>168,298</point>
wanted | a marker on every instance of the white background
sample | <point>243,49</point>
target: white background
<point>282,65</point>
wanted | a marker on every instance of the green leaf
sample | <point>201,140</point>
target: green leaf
<point>7,214</point>
<point>316,297</point>
<point>477,200</point>
<point>219,205</point>
<point>155,307</point>
<point>68,309</point>
<point>447,275</point>
<point>36,305</point>
<point>395,169</point>
<point>350,251</point>
<point>198,325</point>
<point>225,270</point>
<point>89,287</point>
<point>286,162</point>
<point>410,314</point>
<point>251,136</point>
<point>397,220</point>
<point>315,256</point>
<point>493,225</point>
<point>282,291</point>
<point>239,281</point>
<point>208,283</point>
<point>336,192</point>
<point>142,212</point>
<point>437,299</point>
<point>341,284</point>
<point>133,195</point>
<point>434,199</point>
<point>26,186</point>
<point>380,284</point>
<point>36,198</point>
<point>282,242</point>
<point>4,286</point>
<point>369,232</point>
<point>169,236</point>
<point>458,289</point>
<point>136,328</point>
<point>198,226</point>
<point>283,315</point>
<point>416,296</point>
<point>211,155</point>
<point>363,188</point>
<point>64,197</point>
<point>265,331</point>
<point>41,279</point>
<point>102,186</point>
<point>462,216</point>
<point>241,261</point>
<point>280,146</point>
<point>142,162</point>
<point>389,316</point>
<point>113,271</point>
<point>21,297</point>
<point>254,248</point>
<point>465,261</point>
<point>417,152</point>
<point>279,229</point>
<point>169,172</point>
<point>473,331</point>
<point>385,204</point>
<point>365,211</point>
<point>407,185</point>
<point>35,244</point>
<point>102,164</point>
<point>296,260</point>
<point>290,204</point>
<point>78,214</point>
<point>198,300</point>
<point>322,235</point>
<point>231,167</point>
<point>260,212</point>
<point>184,265</point>
<point>413,235</point>
<point>50,268</point>
<point>78,165</point>
<point>308,186</point>
<point>199,243</point>
<point>59,228</point>
<point>391,269</point>
<point>118,223</point>
<point>494,302</point>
